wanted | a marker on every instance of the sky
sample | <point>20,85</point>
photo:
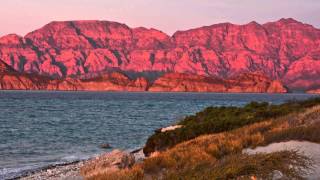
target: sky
<point>23,16</point>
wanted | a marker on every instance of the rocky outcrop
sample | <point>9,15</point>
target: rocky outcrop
<point>10,79</point>
<point>111,82</point>
<point>287,50</point>
<point>314,91</point>
<point>115,81</point>
<point>249,82</point>
<point>254,83</point>
<point>13,80</point>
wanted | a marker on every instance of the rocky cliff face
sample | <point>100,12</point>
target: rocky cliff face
<point>13,80</point>
<point>10,79</point>
<point>249,82</point>
<point>287,50</point>
<point>314,91</point>
<point>115,81</point>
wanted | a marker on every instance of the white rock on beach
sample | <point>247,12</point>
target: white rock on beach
<point>171,128</point>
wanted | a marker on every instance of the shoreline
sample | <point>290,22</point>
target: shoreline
<point>154,92</point>
<point>68,170</point>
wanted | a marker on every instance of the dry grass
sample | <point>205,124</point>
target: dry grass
<point>243,166</point>
<point>108,163</point>
<point>135,173</point>
<point>219,156</point>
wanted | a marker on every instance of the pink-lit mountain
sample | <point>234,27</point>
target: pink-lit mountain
<point>286,50</point>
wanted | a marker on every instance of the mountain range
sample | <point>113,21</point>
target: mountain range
<point>104,55</point>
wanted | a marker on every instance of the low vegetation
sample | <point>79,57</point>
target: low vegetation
<point>244,166</point>
<point>218,154</point>
<point>220,119</point>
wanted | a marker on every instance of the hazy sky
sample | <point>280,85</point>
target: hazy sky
<point>22,16</point>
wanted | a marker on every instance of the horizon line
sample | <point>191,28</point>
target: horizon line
<point>168,34</point>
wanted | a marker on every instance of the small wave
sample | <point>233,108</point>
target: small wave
<point>10,173</point>
<point>75,157</point>
<point>71,158</point>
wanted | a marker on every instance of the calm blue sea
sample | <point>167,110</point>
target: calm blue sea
<point>44,128</point>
